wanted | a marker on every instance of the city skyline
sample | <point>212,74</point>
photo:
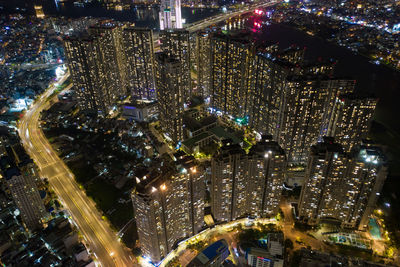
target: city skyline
<point>245,138</point>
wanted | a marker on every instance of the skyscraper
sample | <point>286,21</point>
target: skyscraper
<point>307,102</point>
<point>227,178</point>
<point>341,187</point>
<point>97,65</point>
<point>231,59</point>
<point>169,206</point>
<point>176,43</point>
<point>171,88</point>
<point>203,64</point>
<point>268,93</point>
<point>247,184</point>
<point>24,193</point>
<point>170,14</point>
<point>369,172</point>
<point>112,56</point>
<point>266,170</point>
<point>265,94</point>
<point>139,54</point>
<point>84,64</point>
<point>350,120</point>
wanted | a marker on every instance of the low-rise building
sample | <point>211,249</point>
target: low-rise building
<point>141,110</point>
<point>270,255</point>
<point>212,256</point>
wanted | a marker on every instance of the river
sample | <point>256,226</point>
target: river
<point>141,16</point>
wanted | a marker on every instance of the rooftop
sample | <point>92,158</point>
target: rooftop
<point>192,141</point>
<point>210,253</point>
<point>165,58</point>
<point>266,144</point>
<point>221,133</point>
<point>328,145</point>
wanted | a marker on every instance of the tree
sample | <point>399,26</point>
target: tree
<point>174,262</point>
<point>288,243</point>
<point>197,247</point>
<point>137,252</point>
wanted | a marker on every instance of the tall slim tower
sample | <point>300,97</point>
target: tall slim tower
<point>203,63</point>
<point>369,172</point>
<point>171,88</point>
<point>170,14</point>
<point>228,182</point>
<point>112,56</point>
<point>139,55</point>
<point>326,169</point>
<point>169,207</point>
<point>247,184</point>
<point>341,187</point>
<point>176,43</point>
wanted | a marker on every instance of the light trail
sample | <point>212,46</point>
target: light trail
<point>99,236</point>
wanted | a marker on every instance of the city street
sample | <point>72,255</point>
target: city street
<point>100,238</point>
<point>290,232</point>
<point>225,231</point>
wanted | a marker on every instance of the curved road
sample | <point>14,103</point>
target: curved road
<point>101,239</point>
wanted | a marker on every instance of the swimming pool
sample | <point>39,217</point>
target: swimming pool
<point>374,229</point>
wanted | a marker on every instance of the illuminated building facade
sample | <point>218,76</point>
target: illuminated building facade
<point>227,171</point>
<point>97,65</point>
<point>231,60</point>
<point>247,184</point>
<point>139,53</point>
<point>351,119</point>
<point>84,64</point>
<point>39,12</point>
<point>26,196</point>
<point>171,88</point>
<point>307,103</point>
<point>368,174</point>
<point>23,189</point>
<point>268,93</point>
<point>170,14</point>
<point>112,56</point>
<point>266,172</point>
<point>341,187</point>
<point>293,55</point>
<point>168,207</point>
<point>203,64</point>
<point>176,43</point>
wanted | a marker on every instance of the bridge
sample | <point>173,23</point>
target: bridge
<point>199,25</point>
<point>202,24</point>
